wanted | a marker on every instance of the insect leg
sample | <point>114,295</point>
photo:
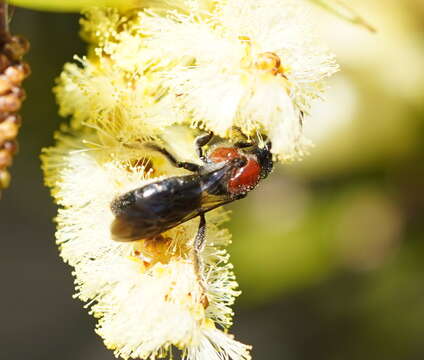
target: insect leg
<point>268,144</point>
<point>301,118</point>
<point>199,242</point>
<point>236,133</point>
<point>180,164</point>
<point>201,141</point>
<point>198,246</point>
<point>242,144</point>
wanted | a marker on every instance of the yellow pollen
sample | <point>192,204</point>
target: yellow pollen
<point>269,62</point>
<point>141,264</point>
<point>244,38</point>
<point>209,323</point>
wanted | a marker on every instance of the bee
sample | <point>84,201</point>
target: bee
<point>225,175</point>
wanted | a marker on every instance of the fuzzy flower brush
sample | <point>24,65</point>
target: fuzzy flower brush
<point>251,64</point>
<point>242,71</point>
<point>146,294</point>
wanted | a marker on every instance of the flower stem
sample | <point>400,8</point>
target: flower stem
<point>4,21</point>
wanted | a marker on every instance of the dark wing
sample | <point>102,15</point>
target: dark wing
<point>154,208</point>
<point>214,186</point>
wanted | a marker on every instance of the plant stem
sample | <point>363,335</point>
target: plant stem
<point>4,21</point>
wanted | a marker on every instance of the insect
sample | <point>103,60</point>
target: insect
<point>226,174</point>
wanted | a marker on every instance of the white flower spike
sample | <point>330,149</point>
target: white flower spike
<point>146,294</point>
<point>149,75</point>
<point>255,65</point>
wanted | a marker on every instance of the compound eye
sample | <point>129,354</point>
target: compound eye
<point>224,154</point>
<point>245,178</point>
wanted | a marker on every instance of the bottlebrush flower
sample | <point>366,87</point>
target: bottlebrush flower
<point>146,294</point>
<point>148,76</point>
<point>254,64</point>
<point>251,64</point>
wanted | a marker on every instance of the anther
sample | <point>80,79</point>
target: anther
<point>269,62</point>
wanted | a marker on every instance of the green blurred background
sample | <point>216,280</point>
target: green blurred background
<point>328,252</point>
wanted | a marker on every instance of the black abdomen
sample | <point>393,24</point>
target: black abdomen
<point>154,208</point>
